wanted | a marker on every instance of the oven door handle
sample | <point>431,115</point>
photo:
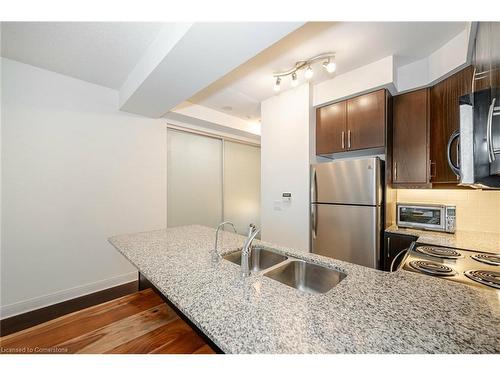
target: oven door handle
<point>396,257</point>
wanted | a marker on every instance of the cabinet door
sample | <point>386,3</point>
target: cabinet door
<point>482,55</point>
<point>410,138</point>
<point>331,128</point>
<point>495,58</point>
<point>366,121</point>
<point>444,120</point>
<point>393,245</point>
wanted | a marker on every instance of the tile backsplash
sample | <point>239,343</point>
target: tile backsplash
<point>477,210</point>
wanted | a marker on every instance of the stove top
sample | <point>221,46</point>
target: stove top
<point>465,266</point>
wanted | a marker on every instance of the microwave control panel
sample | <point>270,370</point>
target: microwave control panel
<point>450,219</point>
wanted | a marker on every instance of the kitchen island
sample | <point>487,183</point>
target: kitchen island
<point>369,311</point>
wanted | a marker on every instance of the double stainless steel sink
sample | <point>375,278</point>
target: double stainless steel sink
<point>260,259</point>
<point>296,273</point>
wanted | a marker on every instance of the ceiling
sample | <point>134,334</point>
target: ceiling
<point>240,92</point>
<point>103,53</point>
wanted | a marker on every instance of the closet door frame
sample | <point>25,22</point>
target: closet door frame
<point>223,139</point>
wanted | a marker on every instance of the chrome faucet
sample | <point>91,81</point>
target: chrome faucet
<point>247,250</point>
<point>215,255</point>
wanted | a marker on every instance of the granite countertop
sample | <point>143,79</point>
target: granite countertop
<point>370,311</point>
<point>466,240</point>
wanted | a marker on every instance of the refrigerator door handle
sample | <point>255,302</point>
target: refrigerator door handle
<point>314,212</point>
<point>314,185</point>
<point>314,221</point>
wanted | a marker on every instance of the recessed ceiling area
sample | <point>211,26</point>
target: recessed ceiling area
<point>103,53</point>
<point>354,43</point>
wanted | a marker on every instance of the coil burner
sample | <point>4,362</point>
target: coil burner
<point>432,268</point>
<point>492,259</point>
<point>439,252</point>
<point>489,278</point>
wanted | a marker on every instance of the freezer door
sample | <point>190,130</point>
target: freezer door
<point>349,233</point>
<point>347,181</point>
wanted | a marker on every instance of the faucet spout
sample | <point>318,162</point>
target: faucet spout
<point>215,254</point>
<point>247,250</point>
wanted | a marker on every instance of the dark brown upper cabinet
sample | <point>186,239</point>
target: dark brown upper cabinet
<point>444,120</point>
<point>366,121</point>
<point>354,124</point>
<point>486,57</point>
<point>331,128</point>
<point>410,158</point>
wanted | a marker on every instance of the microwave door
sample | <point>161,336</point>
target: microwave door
<point>485,134</point>
<point>478,131</point>
<point>495,138</point>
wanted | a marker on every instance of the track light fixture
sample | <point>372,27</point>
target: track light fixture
<point>328,64</point>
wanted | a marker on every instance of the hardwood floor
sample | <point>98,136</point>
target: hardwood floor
<point>138,323</point>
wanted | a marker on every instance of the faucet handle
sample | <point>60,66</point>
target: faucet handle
<point>251,228</point>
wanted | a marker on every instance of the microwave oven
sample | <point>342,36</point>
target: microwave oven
<point>435,217</point>
<point>477,141</point>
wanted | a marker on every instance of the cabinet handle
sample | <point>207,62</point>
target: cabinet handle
<point>343,140</point>
<point>473,84</point>
<point>395,170</point>
<point>348,139</point>
<point>388,247</point>
<point>430,168</point>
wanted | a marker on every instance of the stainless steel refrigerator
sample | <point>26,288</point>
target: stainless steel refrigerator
<point>347,209</point>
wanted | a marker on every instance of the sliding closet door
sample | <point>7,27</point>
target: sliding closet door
<point>194,179</point>
<point>241,185</point>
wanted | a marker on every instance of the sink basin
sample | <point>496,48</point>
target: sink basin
<point>306,277</point>
<point>260,259</point>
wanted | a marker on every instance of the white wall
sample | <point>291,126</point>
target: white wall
<point>1,117</point>
<point>388,73</point>
<point>370,77</point>
<point>75,171</point>
<point>285,153</point>
<point>214,120</point>
<point>445,61</point>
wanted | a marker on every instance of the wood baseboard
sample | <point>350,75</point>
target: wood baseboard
<point>31,318</point>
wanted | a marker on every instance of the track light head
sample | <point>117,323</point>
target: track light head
<point>309,72</point>
<point>295,81</point>
<point>330,66</point>
<point>277,84</point>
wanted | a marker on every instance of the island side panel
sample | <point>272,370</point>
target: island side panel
<point>144,283</point>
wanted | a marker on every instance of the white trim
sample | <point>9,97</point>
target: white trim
<point>64,295</point>
<point>183,126</point>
